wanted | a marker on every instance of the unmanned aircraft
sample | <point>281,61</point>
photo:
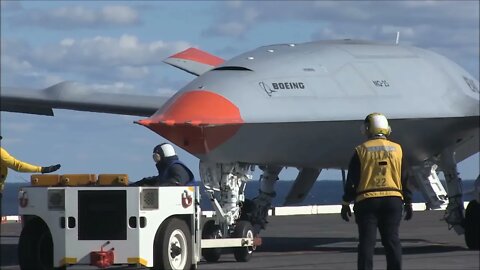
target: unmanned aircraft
<point>299,105</point>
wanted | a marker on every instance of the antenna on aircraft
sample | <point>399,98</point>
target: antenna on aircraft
<point>398,38</point>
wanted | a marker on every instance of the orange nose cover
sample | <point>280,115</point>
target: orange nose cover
<point>197,121</point>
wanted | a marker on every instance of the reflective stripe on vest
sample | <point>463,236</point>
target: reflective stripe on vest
<point>380,169</point>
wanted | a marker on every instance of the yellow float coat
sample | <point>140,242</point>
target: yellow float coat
<point>8,161</point>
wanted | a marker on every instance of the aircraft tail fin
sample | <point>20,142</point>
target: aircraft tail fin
<point>194,61</point>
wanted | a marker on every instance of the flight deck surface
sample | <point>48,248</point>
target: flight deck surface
<point>322,242</point>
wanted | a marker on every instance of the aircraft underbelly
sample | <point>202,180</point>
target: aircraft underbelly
<point>331,144</point>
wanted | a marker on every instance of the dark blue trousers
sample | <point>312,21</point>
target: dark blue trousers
<point>385,214</point>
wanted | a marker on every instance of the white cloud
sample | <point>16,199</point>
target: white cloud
<point>124,64</point>
<point>236,19</point>
<point>119,14</point>
<point>459,44</point>
<point>73,17</point>
<point>233,29</point>
<point>13,64</point>
<point>445,26</point>
<point>133,73</point>
<point>102,51</point>
<point>76,14</point>
<point>67,42</point>
<point>402,13</point>
<point>97,58</point>
<point>157,45</point>
<point>250,15</point>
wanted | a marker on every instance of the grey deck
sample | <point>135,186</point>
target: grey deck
<point>325,242</point>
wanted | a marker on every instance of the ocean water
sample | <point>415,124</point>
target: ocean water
<point>323,192</point>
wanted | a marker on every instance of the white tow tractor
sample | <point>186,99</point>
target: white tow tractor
<point>85,220</point>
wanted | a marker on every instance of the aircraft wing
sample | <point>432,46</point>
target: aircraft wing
<point>74,96</point>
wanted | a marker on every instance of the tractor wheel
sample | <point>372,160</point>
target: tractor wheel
<point>35,247</point>
<point>472,225</point>
<point>211,231</point>
<point>173,246</point>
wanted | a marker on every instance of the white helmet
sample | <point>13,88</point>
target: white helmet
<point>376,124</point>
<point>162,151</point>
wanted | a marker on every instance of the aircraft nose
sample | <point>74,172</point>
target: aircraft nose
<point>197,120</point>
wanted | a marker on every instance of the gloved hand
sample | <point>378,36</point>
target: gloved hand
<point>407,208</point>
<point>346,212</point>
<point>50,169</point>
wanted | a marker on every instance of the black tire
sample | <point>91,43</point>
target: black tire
<point>472,225</point>
<point>243,229</point>
<point>35,247</point>
<point>173,246</point>
<point>211,231</point>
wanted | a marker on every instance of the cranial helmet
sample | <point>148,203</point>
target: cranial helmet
<point>162,151</point>
<point>376,124</point>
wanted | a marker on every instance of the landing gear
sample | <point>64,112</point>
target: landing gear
<point>225,183</point>
<point>243,229</point>
<point>472,225</point>
<point>263,202</point>
<point>428,183</point>
<point>173,246</point>
<point>454,212</point>
<point>434,193</point>
<point>211,231</point>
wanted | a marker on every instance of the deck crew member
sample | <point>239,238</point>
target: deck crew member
<point>377,182</point>
<point>10,162</point>
<point>171,171</point>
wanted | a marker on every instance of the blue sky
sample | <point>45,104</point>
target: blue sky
<point>119,47</point>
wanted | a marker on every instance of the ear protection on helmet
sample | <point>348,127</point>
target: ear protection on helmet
<point>156,157</point>
<point>162,151</point>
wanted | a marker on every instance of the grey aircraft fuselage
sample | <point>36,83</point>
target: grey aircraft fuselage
<point>296,105</point>
<point>303,105</point>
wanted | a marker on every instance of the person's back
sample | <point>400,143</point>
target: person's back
<point>380,167</point>
<point>376,181</point>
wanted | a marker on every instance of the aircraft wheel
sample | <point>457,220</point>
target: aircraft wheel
<point>472,225</point>
<point>211,231</point>
<point>173,246</point>
<point>35,247</point>
<point>243,229</point>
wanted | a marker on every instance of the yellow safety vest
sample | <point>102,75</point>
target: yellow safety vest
<point>380,169</point>
<point>7,161</point>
